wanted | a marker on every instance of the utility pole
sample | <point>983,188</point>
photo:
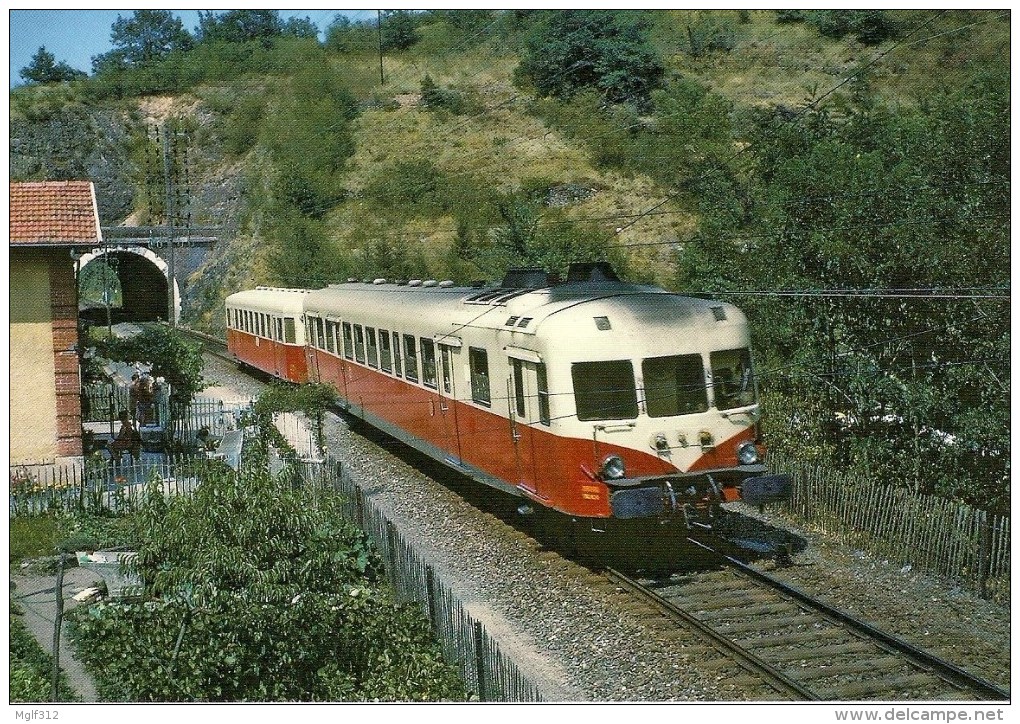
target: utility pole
<point>378,25</point>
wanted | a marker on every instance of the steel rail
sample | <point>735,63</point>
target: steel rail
<point>745,658</point>
<point>945,670</point>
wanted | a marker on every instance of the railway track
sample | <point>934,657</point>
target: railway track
<point>798,645</point>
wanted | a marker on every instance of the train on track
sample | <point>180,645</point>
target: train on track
<point>603,400</point>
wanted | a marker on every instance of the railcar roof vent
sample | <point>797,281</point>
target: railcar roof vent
<point>414,283</point>
<point>446,284</point>
<point>602,324</point>
<point>527,279</point>
<point>598,271</point>
<point>379,281</point>
<point>429,283</point>
<point>719,313</point>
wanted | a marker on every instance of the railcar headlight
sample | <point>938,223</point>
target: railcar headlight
<point>747,453</point>
<point>613,467</point>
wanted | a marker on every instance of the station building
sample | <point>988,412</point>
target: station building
<point>52,223</point>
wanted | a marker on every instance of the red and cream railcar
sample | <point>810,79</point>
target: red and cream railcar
<point>594,397</point>
<point>265,330</point>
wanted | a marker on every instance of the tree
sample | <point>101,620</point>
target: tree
<point>239,26</point>
<point>399,31</point>
<point>300,28</point>
<point>145,37</point>
<point>571,50</point>
<point>45,69</point>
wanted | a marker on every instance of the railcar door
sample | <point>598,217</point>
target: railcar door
<point>449,356</point>
<point>522,391</point>
<point>311,342</point>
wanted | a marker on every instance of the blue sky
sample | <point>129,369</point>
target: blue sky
<point>74,36</point>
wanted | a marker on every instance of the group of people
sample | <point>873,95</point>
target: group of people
<point>142,395</point>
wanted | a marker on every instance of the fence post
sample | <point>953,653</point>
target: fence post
<point>984,553</point>
<point>430,595</point>
<point>55,679</point>
<point>480,660</point>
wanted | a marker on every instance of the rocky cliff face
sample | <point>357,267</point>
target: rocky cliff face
<point>77,142</point>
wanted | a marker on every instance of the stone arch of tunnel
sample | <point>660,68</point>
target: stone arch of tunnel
<point>143,279</point>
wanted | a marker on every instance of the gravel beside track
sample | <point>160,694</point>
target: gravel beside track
<point>580,639</point>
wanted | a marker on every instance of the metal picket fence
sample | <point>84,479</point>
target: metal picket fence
<point>495,676</point>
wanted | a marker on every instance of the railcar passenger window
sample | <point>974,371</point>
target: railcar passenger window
<point>373,351</point>
<point>674,385</point>
<point>320,328</point>
<point>732,379</point>
<point>479,362</point>
<point>348,341</point>
<point>428,362</point>
<point>410,358</point>
<point>359,344</point>
<point>396,354</point>
<point>278,329</point>
<point>289,331</point>
<point>385,358</point>
<point>543,395</point>
<point>604,390</point>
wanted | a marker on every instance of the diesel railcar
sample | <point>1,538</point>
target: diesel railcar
<point>266,331</point>
<point>593,397</point>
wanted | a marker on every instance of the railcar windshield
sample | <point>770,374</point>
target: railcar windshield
<point>674,385</point>
<point>732,379</point>
<point>604,390</point>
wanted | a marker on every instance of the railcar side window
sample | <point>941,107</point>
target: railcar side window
<point>410,358</point>
<point>428,362</point>
<point>543,395</point>
<point>359,344</point>
<point>732,378</point>
<point>445,353</point>
<point>604,390</point>
<point>289,331</point>
<point>479,362</point>
<point>277,329</point>
<point>321,332</point>
<point>385,358</point>
<point>348,341</point>
<point>674,385</point>
<point>373,350</point>
<point>396,354</point>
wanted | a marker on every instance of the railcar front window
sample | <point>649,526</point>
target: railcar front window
<point>604,390</point>
<point>674,385</point>
<point>428,362</point>
<point>732,379</point>
<point>289,331</point>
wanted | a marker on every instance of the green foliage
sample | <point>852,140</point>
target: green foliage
<point>433,97</point>
<point>32,536</point>
<point>345,36</point>
<point>171,355</point>
<point>44,69</point>
<point>144,37</point>
<point>709,33</point>
<point>239,26</point>
<point>908,389</point>
<point>272,597</point>
<point>870,26</point>
<point>399,30</point>
<point>608,51</point>
<point>31,668</point>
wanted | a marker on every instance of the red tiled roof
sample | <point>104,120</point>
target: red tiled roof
<point>48,213</point>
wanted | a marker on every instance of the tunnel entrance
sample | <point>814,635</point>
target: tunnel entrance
<point>133,281</point>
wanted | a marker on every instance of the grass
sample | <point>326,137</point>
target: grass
<point>33,537</point>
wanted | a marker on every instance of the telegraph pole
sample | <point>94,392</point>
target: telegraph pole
<point>168,180</point>
<point>378,25</point>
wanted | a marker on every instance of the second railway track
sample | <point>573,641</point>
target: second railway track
<point>798,645</point>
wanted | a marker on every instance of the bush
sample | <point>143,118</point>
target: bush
<point>31,668</point>
<point>272,596</point>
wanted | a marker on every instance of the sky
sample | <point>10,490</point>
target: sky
<point>74,36</point>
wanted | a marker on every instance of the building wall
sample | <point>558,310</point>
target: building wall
<point>45,406</point>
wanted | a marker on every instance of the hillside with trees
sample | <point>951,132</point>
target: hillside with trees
<point>841,175</point>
